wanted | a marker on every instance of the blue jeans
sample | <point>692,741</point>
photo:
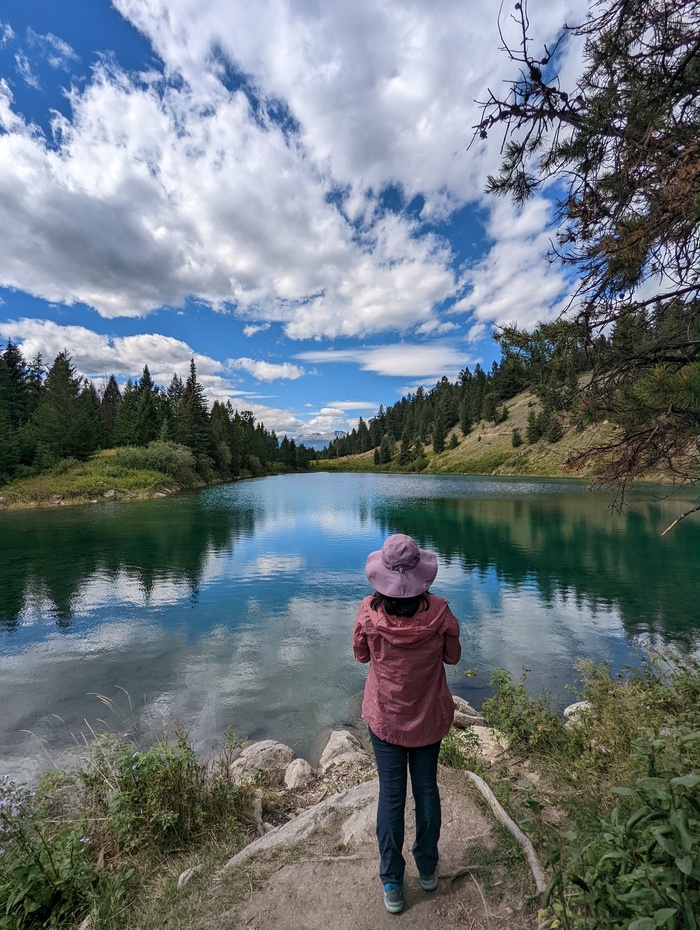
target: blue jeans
<point>393,762</point>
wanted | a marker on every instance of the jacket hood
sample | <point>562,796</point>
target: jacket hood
<point>410,632</point>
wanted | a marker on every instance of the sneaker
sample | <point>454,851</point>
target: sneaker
<point>429,882</point>
<point>393,898</point>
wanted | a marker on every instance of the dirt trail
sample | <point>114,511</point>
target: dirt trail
<point>323,874</point>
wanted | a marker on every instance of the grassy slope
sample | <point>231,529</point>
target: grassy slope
<point>80,482</point>
<point>488,450</point>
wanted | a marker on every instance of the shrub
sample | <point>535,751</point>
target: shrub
<point>459,749</point>
<point>47,867</point>
<point>641,868</point>
<point>159,799</point>
<point>531,722</point>
<point>170,458</point>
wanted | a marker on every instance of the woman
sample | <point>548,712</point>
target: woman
<point>406,633</point>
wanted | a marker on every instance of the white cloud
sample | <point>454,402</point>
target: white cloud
<point>267,371</point>
<point>7,34</point>
<point>397,360</point>
<point>252,329</point>
<point>57,53</point>
<point>24,69</point>
<point>160,189</point>
<point>514,281</point>
<point>354,404</point>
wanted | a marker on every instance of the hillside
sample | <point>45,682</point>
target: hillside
<point>488,450</point>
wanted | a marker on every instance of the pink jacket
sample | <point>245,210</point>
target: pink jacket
<point>407,701</point>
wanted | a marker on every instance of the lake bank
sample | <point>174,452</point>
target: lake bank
<point>579,791</point>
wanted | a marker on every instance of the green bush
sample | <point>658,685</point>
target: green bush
<point>170,458</point>
<point>159,799</point>
<point>641,868</point>
<point>459,749</point>
<point>530,722</point>
<point>47,867</point>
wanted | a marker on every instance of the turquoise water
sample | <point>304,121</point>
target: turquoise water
<point>234,606</point>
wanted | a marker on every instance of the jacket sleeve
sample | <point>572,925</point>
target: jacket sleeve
<point>452,649</point>
<point>359,639</point>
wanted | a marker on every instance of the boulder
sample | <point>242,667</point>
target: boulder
<point>574,711</point>
<point>465,714</point>
<point>492,744</point>
<point>342,746</point>
<point>298,773</point>
<point>110,494</point>
<point>266,757</point>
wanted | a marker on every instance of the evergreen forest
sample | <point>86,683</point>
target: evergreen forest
<point>51,416</point>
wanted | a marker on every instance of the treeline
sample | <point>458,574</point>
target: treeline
<point>400,433</point>
<point>47,416</point>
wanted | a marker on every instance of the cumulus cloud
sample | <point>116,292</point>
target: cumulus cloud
<point>264,196</point>
<point>514,281</point>
<point>267,371</point>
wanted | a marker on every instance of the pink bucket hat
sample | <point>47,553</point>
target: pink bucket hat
<point>400,568</point>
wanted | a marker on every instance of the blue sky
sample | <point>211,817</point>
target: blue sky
<point>280,189</point>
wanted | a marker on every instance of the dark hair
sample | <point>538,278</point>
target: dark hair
<point>400,606</point>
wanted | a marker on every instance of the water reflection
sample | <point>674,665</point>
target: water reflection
<point>570,547</point>
<point>47,559</point>
<point>234,606</point>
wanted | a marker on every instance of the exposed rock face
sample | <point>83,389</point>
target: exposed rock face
<point>342,746</point>
<point>465,714</point>
<point>353,800</point>
<point>298,773</point>
<point>267,756</point>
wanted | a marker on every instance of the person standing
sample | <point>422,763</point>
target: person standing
<point>406,633</point>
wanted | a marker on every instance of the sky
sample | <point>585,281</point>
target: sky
<point>283,190</point>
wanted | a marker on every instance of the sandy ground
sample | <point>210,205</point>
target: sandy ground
<point>320,872</point>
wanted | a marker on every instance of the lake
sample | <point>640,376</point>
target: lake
<point>234,606</point>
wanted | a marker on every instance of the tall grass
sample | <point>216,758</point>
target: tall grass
<point>88,841</point>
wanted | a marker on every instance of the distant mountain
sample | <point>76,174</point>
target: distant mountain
<point>318,441</point>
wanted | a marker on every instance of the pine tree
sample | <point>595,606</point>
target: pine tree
<point>386,449</point>
<point>533,431</point>
<point>109,406</point>
<point>192,421</point>
<point>439,432</point>
<point>405,456</point>
<point>63,425</point>
<point>147,412</point>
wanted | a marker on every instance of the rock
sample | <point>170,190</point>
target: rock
<point>347,804</point>
<point>159,494</point>
<point>268,757</point>
<point>87,923</point>
<point>465,715</point>
<point>110,494</point>
<point>492,744</point>
<point>298,773</point>
<point>574,711</point>
<point>187,875</point>
<point>342,746</point>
